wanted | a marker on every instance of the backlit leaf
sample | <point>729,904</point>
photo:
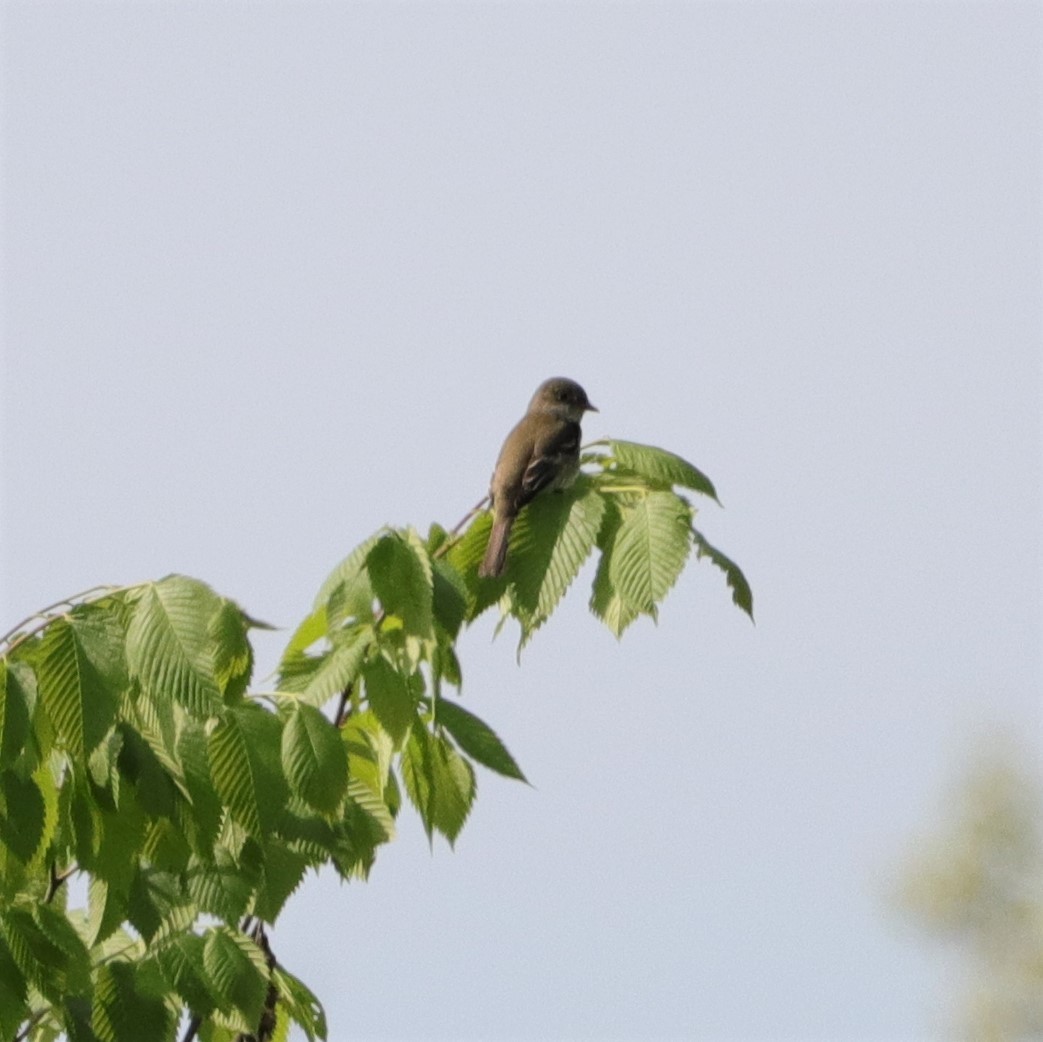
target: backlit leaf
<point>314,758</point>
<point>81,675</point>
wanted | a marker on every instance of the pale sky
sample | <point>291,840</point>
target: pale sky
<point>277,274</point>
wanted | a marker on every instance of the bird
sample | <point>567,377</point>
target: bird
<point>540,454</point>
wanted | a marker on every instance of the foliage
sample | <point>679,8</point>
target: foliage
<point>976,882</point>
<point>132,755</point>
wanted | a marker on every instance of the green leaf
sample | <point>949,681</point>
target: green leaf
<point>660,468</point>
<point>478,739</point>
<point>465,555</point>
<point>643,556</point>
<point>47,950</point>
<point>220,886</point>
<point>370,751</point>
<point>346,591</point>
<point>170,646</point>
<point>238,971</point>
<point>392,697</point>
<point>203,822</point>
<point>313,628</point>
<point>122,1013</point>
<point>245,764</point>
<point>155,899</point>
<point>333,671</point>
<point>22,821</point>
<point>551,539</point>
<point>231,651</point>
<point>138,764</point>
<point>81,674</point>
<point>304,1007</point>
<point>181,960</point>
<point>439,782</point>
<point>284,869</point>
<point>314,758</point>
<point>17,693</point>
<point>106,909</point>
<point>400,572</point>
<point>55,925</point>
<point>450,596</point>
<point>742,595</point>
<point>13,1007</point>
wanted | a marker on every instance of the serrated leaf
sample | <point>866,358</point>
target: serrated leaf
<point>400,573</point>
<point>55,925</point>
<point>334,670</point>
<point>106,909</point>
<point>42,961</point>
<point>346,591</point>
<point>314,759</point>
<point>477,739</point>
<point>22,819</point>
<point>219,886</point>
<point>231,652</point>
<point>245,764</point>
<point>643,556</point>
<point>284,869</point>
<point>304,1007</point>
<point>311,629</point>
<point>450,596</point>
<point>17,689</point>
<point>181,960</point>
<point>659,467</point>
<point>81,674</point>
<point>392,697</point>
<point>121,1012</point>
<point>465,555</point>
<point>14,1009</point>
<point>155,900</point>
<point>169,644</point>
<point>439,782</point>
<point>551,539</point>
<point>742,595</point>
<point>370,750</point>
<point>238,972</point>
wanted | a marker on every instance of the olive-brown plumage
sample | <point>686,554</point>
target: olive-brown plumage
<point>540,454</point>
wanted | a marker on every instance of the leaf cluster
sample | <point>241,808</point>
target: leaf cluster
<point>132,754</point>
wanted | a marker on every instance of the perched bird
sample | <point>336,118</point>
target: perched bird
<point>541,453</point>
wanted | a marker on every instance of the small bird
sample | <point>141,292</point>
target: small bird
<point>541,453</point>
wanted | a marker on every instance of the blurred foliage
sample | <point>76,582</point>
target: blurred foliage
<point>976,883</point>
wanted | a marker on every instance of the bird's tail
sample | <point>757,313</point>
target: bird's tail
<point>495,559</point>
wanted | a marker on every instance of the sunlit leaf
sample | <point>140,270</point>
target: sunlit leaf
<point>314,758</point>
<point>742,595</point>
<point>245,764</point>
<point>400,573</point>
<point>477,739</point>
<point>642,561</point>
<point>657,466</point>
<point>392,697</point>
<point>81,674</point>
<point>170,648</point>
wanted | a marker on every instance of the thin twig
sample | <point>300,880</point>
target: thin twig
<point>455,531</point>
<point>192,1028</point>
<point>343,709</point>
<point>29,1025</point>
<point>57,878</point>
<point>47,615</point>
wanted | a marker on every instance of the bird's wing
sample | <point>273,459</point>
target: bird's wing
<point>549,455</point>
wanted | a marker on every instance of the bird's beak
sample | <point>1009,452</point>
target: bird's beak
<point>591,408</point>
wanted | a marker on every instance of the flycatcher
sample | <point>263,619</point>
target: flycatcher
<point>540,454</point>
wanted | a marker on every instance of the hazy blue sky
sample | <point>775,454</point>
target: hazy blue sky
<point>274,275</point>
